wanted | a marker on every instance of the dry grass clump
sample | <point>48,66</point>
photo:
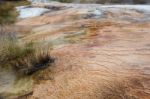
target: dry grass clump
<point>33,62</point>
<point>25,58</point>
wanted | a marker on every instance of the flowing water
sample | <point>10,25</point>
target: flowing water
<point>31,12</point>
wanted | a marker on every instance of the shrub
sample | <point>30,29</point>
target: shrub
<point>19,2</point>
<point>8,13</point>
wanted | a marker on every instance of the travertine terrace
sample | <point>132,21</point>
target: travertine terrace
<point>102,52</point>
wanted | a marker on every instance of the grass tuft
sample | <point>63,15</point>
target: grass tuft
<point>24,58</point>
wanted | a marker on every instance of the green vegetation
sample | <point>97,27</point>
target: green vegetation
<point>8,14</point>
<point>19,2</point>
<point>22,57</point>
<point>18,59</point>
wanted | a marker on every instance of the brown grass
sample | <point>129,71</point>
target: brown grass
<point>25,58</point>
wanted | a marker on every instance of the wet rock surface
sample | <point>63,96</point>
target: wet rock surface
<point>101,51</point>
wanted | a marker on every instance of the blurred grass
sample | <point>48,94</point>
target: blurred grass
<point>19,2</point>
<point>8,13</point>
<point>24,58</point>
